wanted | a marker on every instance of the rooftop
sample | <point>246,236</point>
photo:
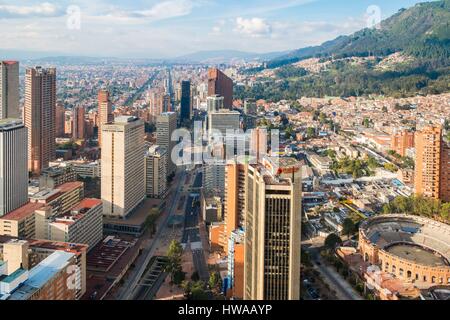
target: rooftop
<point>14,275</point>
<point>10,123</point>
<point>77,212</point>
<point>42,273</point>
<point>69,186</point>
<point>417,254</point>
<point>87,203</point>
<point>23,212</point>
<point>125,119</point>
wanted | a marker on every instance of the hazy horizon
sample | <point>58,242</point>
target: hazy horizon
<point>148,29</point>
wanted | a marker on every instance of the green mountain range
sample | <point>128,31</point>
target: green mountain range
<point>423,30</point>
<point>408,54</point>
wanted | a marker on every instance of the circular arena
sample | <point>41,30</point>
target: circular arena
<point>414,249</point>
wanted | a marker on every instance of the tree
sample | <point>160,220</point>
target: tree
<point>348,227</point>
<point>187,287</point>
<point>150,221</point>
<point>198,291</point>
<point>332,240</point>
<point>390,167</point>
<point>215,281</point>
<point>173,265</point>
<point>310,132</point>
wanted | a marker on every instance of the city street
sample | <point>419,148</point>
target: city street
<point>132,281</point>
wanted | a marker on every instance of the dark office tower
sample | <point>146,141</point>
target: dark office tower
<point>220,84</point>
<point>185,112</point>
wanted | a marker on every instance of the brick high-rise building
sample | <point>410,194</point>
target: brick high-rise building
<point>79,123</point>
<point>9,89</point>
<point>60,120</point>
<point>105,114</point>
<point>39,116</point>
<point>401,141</point>
<point>273,198</point>
<point>234,199</point>
<point>220,84</point>
<point>432,170</point>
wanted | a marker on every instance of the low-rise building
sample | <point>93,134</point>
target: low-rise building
<point>82,224</point>
<point>41,269</point>
<point>55,176</point>
<point>323,164</point>
<point>211,207</point>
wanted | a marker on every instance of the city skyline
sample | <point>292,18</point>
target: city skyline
<point>318,174</point>
<point>151,29</point>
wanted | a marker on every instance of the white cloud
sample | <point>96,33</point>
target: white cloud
<point>44,9</point>
<point>168,9</point>
<point>254,27</point>
<point>160,11</point>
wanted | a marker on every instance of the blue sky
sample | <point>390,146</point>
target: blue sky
<point>170,28</point>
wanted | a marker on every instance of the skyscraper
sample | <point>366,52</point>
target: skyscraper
<point>104,112</point>
<point>224,120</point>
<point>39,116</point>
<point>155,171</point>
<point>60,120</point>
<point>219,83</point>
<point>123,166</point>
<point>166,123</point>
<point>432,169</point>
<point>272,230</point>
<point>13,165</point>
<point>9,89</point>
<point>401,141</point>
<point>234,199</point>
<point>214,103</point>
<point>258,142</point>
<point>185,112</point>
<point>78,127</point>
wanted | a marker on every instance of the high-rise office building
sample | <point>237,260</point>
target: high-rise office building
<point>60,119</point>
<point>214,177</point>
<point>78,126</point>
<point>224,120</point>
<point>155,172</point>
<point>9,89</point>
<point>214,103</point>
<point>258,142</point>
<point>166,124</point>
<point>104,112</point>
<point>219,83</point>
<point>272,230</point>
<point>123,166</point>
<point>432,169</point>
<point>185,112</point>
<point>234,199</point>
<point>13,165</point>
<point>39,116</point>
